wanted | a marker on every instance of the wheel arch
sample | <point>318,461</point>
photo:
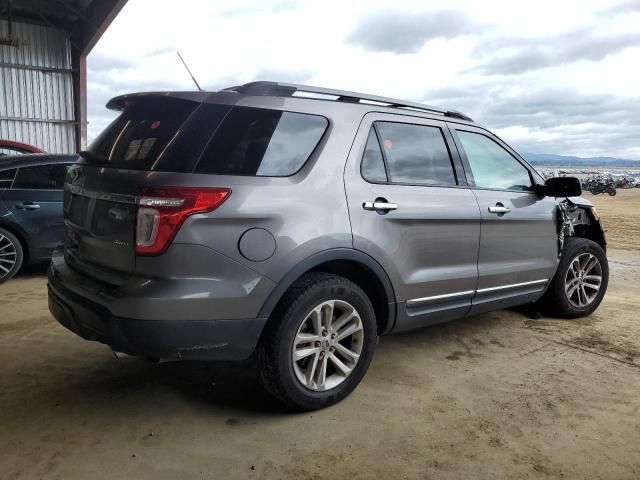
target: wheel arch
<point>352,264</point>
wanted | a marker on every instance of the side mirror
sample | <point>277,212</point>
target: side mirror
<point>560,187</point>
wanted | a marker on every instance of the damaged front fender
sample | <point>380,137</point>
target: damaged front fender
<point>577,218</point>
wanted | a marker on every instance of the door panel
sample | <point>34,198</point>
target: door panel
<point>518,249</point>
<point>518,236</point>
<point>39,213</point>
<point>35,204</point>
<point>428,245</point>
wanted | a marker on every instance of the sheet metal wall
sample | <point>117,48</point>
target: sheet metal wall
<point>36,88</point>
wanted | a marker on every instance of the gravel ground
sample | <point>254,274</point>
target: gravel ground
<point>495,396</point>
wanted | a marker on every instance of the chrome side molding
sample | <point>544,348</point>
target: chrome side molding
<point>414,302</point>
<point>512,285</point>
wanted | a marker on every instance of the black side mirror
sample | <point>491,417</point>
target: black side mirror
<point>560,187</point>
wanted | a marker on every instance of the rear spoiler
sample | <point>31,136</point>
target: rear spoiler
<point>123,101</point>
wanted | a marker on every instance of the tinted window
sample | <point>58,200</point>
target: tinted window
<point>6,177</point>
<point>416,154</point>
<point>139,136</point>
<point>491,165</point>
<point>184,152</point>
<point>41,177</point>
<point>256,141</point>
<point>372,161</point>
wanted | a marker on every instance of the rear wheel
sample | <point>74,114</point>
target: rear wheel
<point>11,255</point>
<point>581,280</point>
<point>320,342</point>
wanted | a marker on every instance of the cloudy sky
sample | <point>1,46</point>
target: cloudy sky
<point>558,76</point>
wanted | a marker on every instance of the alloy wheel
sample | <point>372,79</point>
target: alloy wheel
<point>8,256</point>
<point>327,346</point>
<point>583,280</point>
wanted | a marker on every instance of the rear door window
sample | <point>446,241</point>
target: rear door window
<point>414,154</point>
<point>6,177</point>
<point>41,177</point>
<point>373,169</point>
<point>262,142</point>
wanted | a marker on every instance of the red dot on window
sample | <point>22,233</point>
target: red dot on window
<point>155,124</point>
<point>388,143</point>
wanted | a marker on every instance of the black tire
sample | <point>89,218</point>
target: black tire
<point>612,192</point>
<point>274,353</point>
<point>9,243</point>
<point>556,301</point>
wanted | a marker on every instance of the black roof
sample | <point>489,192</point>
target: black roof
<point>16,161</point>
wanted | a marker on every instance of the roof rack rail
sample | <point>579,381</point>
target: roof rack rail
<point>277,89</point>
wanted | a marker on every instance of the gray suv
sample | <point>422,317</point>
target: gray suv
<point>295,225</point>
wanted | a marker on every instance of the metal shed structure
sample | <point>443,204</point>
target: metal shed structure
<point>43,78</point>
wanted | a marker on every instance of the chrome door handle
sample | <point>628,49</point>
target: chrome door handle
<point>499,209</point>
<point>379,206</point>
<point>27,206</point>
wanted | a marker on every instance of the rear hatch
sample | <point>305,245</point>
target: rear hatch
<point>151,168</point>
<point>154,135</point>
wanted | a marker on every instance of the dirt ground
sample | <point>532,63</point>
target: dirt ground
<point>620,215</point>
<point>495,396</point>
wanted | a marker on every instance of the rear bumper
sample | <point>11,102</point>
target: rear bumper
<point>219,339</point>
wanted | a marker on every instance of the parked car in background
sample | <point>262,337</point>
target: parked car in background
<point>31,219</point>
<point>9,147</point>
<point>215,225</point>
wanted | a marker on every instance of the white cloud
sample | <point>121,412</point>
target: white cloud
<point>536,104</point>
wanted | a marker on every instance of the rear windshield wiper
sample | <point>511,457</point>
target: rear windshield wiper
<point>94,157</point>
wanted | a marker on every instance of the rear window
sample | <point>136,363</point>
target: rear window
<point>262,142</point>
<point>175,135</point>
<point>138,137</point>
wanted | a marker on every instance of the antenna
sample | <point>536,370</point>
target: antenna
<point>188,71</point>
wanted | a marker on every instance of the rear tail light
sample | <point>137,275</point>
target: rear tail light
<point>161,212</point>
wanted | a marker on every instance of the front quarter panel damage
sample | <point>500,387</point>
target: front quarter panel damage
<point>578,219</point>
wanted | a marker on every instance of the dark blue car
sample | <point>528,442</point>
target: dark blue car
<point>31,220</point>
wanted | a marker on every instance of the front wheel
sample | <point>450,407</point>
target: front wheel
<point>318,343</point>
<point>612,192</point>
<point>581,280</point>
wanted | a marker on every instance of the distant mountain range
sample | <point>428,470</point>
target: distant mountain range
<point>544,159</point>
